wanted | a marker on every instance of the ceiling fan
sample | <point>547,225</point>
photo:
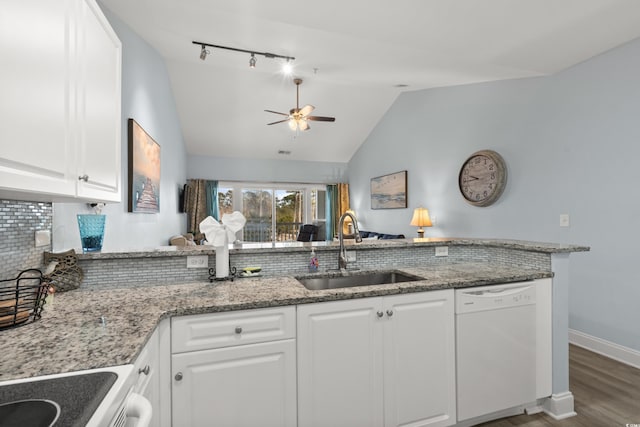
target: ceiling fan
<point>298,117</point>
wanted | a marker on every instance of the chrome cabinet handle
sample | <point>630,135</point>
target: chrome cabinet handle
<point>389,313</point>
<point>178,376</point>
<point>380,314</point>
<point>144,370</point>
<point>238,330</point>
<point>84,178</point>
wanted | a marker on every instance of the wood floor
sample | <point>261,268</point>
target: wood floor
<point>606,393</point>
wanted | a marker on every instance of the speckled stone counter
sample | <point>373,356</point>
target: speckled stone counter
<point>70,336</point>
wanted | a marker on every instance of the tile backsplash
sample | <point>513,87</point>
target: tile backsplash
<point>19,221</point>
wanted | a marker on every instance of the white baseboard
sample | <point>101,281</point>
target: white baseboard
<point>611,350</point>
<point>559,406</point>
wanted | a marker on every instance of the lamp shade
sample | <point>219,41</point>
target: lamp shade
<point>421,218</point>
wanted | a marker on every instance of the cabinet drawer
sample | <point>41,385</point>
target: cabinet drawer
<point>216,330</point>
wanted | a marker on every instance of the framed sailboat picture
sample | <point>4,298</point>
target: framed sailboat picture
<point>144,171</point>
<point>389,191</point>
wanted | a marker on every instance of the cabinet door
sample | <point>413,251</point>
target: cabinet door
<point>248,385</point>
<point>99,119</point>
<point>340,364</point>
<point>419,359</point>
<point>36,151</point>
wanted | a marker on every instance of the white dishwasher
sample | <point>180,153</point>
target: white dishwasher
<point>495,348</point>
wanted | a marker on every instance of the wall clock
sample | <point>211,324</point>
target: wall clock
<point>482,178</point>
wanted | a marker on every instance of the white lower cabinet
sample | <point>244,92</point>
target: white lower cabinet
<point>239,375</point>
<point>377,361</point>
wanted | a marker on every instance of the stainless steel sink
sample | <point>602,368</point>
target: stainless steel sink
<point>348,280</point>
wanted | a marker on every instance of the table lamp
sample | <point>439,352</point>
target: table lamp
<point>421,219</point>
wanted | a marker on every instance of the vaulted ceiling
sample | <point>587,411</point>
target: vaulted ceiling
<point>355,57</point>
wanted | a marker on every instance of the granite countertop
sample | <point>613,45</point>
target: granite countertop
<point>70,336</point>
<point>284,247</point>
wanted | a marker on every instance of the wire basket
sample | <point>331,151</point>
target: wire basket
<point>22,298</point>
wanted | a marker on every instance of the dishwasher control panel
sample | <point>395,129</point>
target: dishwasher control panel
<point>495,297</point>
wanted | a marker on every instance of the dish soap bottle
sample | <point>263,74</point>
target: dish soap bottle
<point>313,261</point>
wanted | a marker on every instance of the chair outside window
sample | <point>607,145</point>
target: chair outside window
<point>308,233</point>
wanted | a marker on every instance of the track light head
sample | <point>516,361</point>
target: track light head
<point>252,61</point>
<point>203,53</point>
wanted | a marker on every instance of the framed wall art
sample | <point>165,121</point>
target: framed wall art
<point>389,191</point>
<point>144,171</point>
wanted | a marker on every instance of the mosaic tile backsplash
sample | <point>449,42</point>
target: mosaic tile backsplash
<point>18,223</point>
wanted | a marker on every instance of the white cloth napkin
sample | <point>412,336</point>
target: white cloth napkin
<point>219,235</point>
<point>224,232</point>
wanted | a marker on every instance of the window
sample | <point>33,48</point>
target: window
<point>225,201</point>
<point>275,212</point>
<point>257,208</point>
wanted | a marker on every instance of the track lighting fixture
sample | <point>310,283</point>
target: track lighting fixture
<point>203,53</point>
<point>252,61</point>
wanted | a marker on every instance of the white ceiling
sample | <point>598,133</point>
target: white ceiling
<point>351,55</point>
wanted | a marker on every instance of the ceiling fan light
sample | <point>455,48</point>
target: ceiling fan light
<point>293,124</point>
<point>252,61</point>
<point>303,125</point>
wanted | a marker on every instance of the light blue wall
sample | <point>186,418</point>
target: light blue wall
<point>146,97</point>
<point>572,145</point>
<point>241,169</point>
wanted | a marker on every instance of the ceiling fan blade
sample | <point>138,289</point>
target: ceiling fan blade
<point>321,118</point>
<point>279,121</point>
<point>276,112</point>
<point>307,109</point>
<point>303,125</point>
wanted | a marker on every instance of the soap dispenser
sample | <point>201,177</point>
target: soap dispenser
<point>313,261</point>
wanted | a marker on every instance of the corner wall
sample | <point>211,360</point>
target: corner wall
<point>571,142</point>
<point>260,170</point>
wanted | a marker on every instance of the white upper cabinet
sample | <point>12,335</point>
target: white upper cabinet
<point>99,120</point>
<point>60,106</point>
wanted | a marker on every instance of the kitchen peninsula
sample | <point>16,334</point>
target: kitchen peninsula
<point>134,291</point>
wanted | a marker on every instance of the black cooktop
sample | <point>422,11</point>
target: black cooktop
<point>77,395</point>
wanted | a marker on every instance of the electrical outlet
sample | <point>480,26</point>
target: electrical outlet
<point>198,261</point>
<point>564,220</point>
<point>442,250</point>
<point>351,256</point>
<point>43,238</point>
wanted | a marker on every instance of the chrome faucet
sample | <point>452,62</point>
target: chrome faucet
<point>342,257</point>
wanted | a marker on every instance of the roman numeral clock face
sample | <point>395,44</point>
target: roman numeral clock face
<point>482,178</point>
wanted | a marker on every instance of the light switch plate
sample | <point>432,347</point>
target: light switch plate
<point>43,238</point>
<point>564,220</point>
<point>198,261</point>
